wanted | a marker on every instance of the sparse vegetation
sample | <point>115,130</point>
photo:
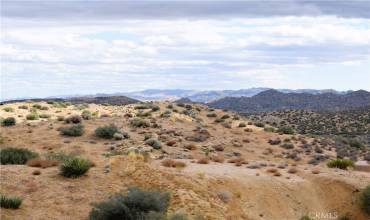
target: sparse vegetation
<point>86,115</point>
<point>12,155</point>
<point>10,202</point>
<point>107,131</point>
<point>365,199</point>
<point>75,119</point>
<point>32,116</point>
<point>73,131</point>
<point>139,123</point>
<point>10,121</point>
<point>173,163</point>
<point>156,144</point>
<point>340,163</point>
<point>286,130</point>
<point>8,109</point>
<point>135,204</point>
<point>74,167</point>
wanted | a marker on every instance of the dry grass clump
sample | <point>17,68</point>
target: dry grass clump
<point>173,163</point>
<point>203,160</point>
<point>190,146</point>
<point>238,161</point>
<point>42,162</point>
<point>293,170</point>
<point>217,158</point>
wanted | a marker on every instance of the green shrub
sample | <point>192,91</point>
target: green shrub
<point>155,108</point>
<point>305,217</point>
<point>139,123</point>
<point>75,119</point>
<point>211,115</point>
<point>142,107</point>
<point>10,202</point>
<point>12,155</point>
<point>44,108</point>
<point>8,109</point>
<point>355,143</point>
<point>106,131</point>
<point>225,117</point>
<point>36,106</point>
<point>81,106</point>
<point>32,116</point>
<point>23,107</point>
<point>365,199</point>
<point>286,130</point>
<point>269,129</point>
<point>154,143</point>
<point>74,130</point>
<point>340,163</point>
<point>136,204</point>
<point>10,121</point>
<point>242,125</point>
<point>60,118</point>
<point>259,124</point>
<point>44,116</point>
<point>74,167</point>
<point>219,120</point>
<point>86,115</point>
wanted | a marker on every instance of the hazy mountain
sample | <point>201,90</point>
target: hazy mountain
<point>272,100</point>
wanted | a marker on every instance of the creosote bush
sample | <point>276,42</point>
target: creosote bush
<point>242,125</point>
<point>75,119</point>
<point>86,115</point>
<point>73,131</point>
<point>286,130</point>
<point>139,123</point>
<point>134,205</point>
<point>259,124</point>
<point>340,163</point>
<point>8,109</point>
<point>10,121</point>
<point>154,143</point>
<point>10,202</point>
<point>32,116</point>
<point>365,199</point>
<point>74,167</point>
<point>107,131</point>
<point>12,155</point>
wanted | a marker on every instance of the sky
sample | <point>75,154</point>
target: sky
<point>66,47</point>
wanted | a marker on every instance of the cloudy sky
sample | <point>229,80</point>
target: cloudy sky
<point>65,47</point>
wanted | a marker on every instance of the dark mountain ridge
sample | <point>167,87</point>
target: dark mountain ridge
<point>272,100</point>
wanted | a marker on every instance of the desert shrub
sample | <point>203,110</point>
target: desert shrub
<point>107,131</point>
<point>41,162</point>
<point>219,120</point>
<point>225,117</point>
<point>8,109</point>
<point>242,125</point>
<point>44,108</point>
<point>203,160</point>
<point>287,146</point>
<point>286,130</point>
<point>259,124</point>
<point>217,158</point>
<point>74,167</point>
<point>173,163</point>
<point>59,156</point>
<point>60,118</point>
<point>44,116</point>
<point>23,107</point>
<point>32,116</point>
<point>305,217</point>
<point>355,143</point>
<point>155,108</point>
<point>269,129</point>
<point>81,106</point>
<point>73,131</point>
<point>166,114</point>
<point>340,163</point>
<point>154,143</point>
<point>181,104</point>
<point>12,155</point>
<point>142,107</point>
<point>143,114</point>
<point>10,202</point>
<point>211,115</point>
<point>10,121</point>
<point>170,106</point>
<point>36,106</point>
<point>75,119</point>
<point>136,204</point>
<point>139,123</point>
<point>86,115</point>
<point>365,199</point>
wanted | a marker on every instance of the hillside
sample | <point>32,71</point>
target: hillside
<point>216,165</point>
<point>272,100</point>
<point>111,100</point>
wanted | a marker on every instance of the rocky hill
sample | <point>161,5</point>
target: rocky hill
<point>272,100</point>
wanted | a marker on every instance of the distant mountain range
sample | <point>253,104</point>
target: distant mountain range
<point>207,96</point>
<point>272,100</point>
<point>112,100</point>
